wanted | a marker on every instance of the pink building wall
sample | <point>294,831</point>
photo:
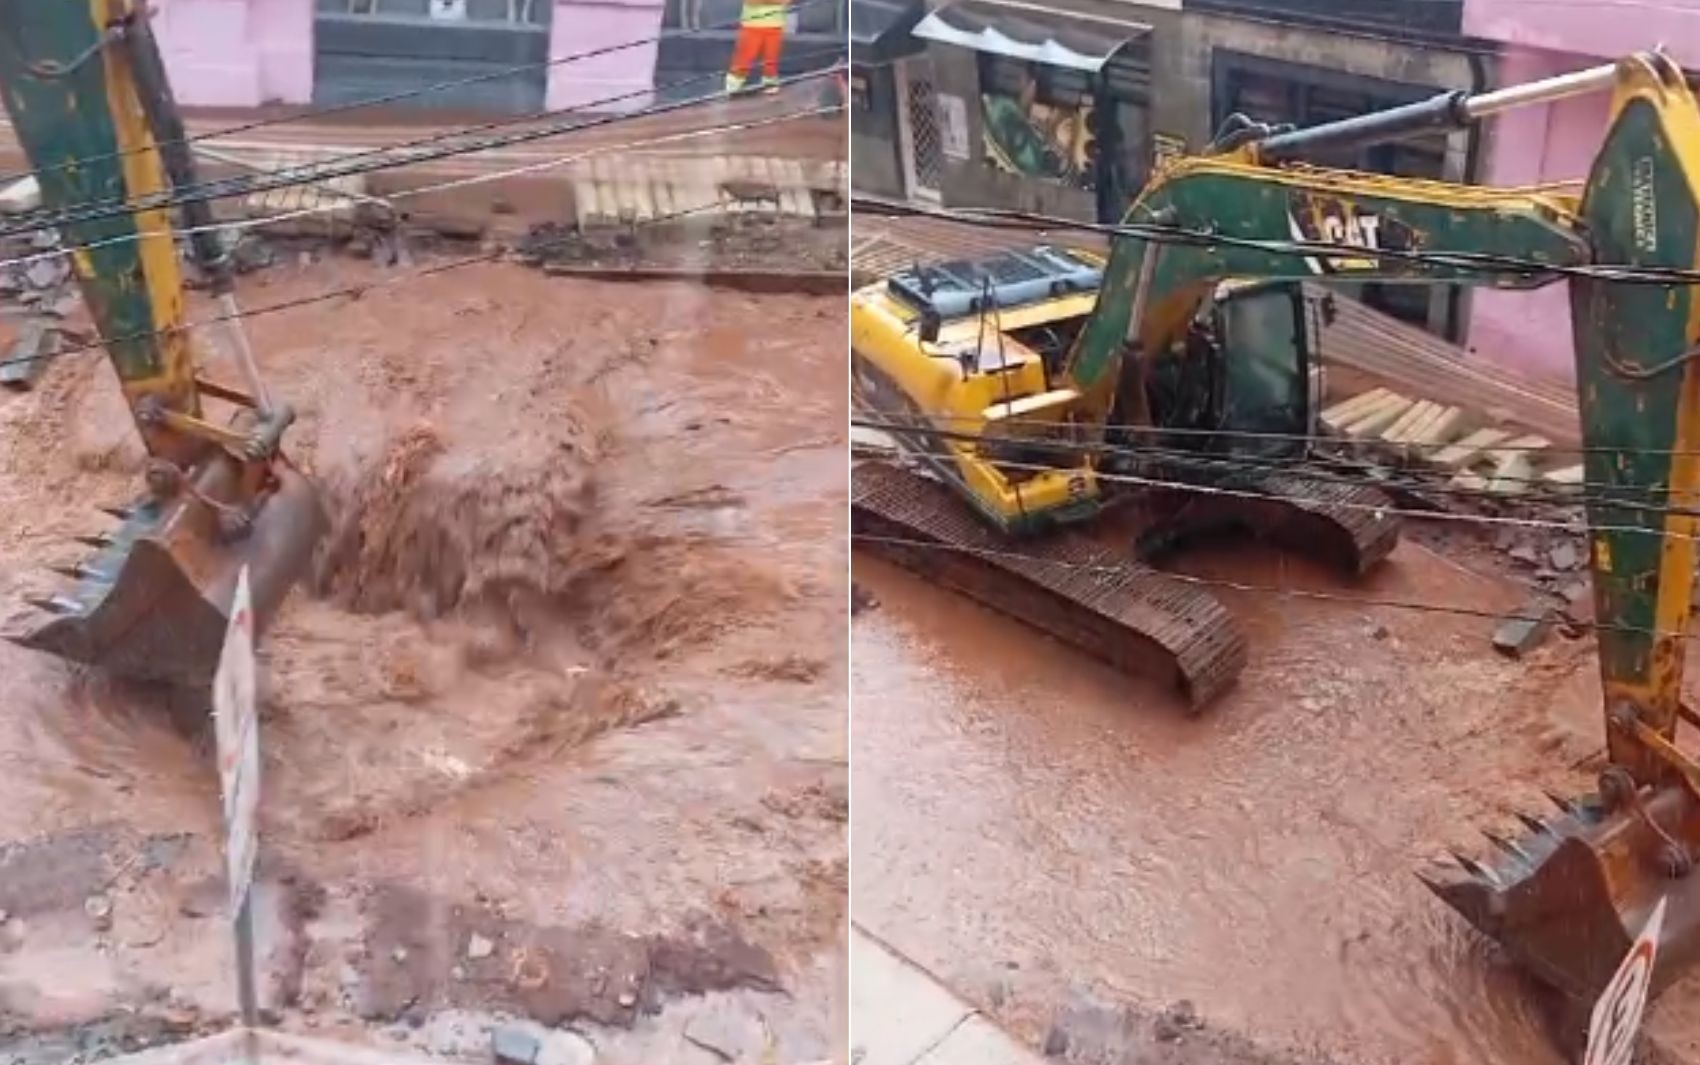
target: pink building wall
<point>237,53</point>
<point>1530,331</point>
<point>587,25</point>
<point>244,53</point>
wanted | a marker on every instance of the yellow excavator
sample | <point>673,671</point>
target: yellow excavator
<point>1038,389</point>
<point>90,105</point>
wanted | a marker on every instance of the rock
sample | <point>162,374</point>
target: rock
<point>861,599</point>
<point>1166,1030</point>
<point>1056,1042</point>
<point>512,1045</point>
<point>561,1047</point>
<point>398,955</point>
<point>728,1030</point>
<point>45,273</point>
<point>479,947</point>
<point>99,909</point>
<point>42,239</point>
<point>20,196</point>
<point>457,973</point>
<point>1379,632</point>
<point>1185,1014</point>
<point>627,999</point>
<point>1523,553</point>
<point>1564,556</point>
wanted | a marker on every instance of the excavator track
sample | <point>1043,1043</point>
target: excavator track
<point>1350,527</point>
<point>1133,617</point>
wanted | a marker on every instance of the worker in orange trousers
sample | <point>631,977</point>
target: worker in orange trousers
<point>761,32</point>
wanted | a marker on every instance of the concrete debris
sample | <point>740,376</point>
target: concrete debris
<point>728,1030</point>
<point>1525,631</point>
<point>1564,556</point>
<point>561,1047</point>
<point>1525,554</point>
<point>479,947</point>
<point>29,356</point>
<point>512,1045</point>
<point>46,273</point>
<point>20,196</point>
<point>99,909</point>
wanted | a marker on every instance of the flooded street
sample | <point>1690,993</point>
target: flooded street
<point>570,678</point>
<point>1050,837</point>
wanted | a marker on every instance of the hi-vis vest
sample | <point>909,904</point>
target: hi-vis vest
<point>764,13</point>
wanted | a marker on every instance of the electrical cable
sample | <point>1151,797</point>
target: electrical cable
<point>1573,492</point>
<point>313,114</point>
<point>1276,590</point>
<point>444,186</point>
<point>338,167</point>
<point>1159,233</point>
<point>357,291</point>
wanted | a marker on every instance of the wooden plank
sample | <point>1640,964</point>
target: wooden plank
<point>1469,449</point>
<point>1440,430</point>
<point>1379,418</point>
<point>1343,413</point>
<point>1418,411</point>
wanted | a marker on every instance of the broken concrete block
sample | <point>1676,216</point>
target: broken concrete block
<point>20,196</point>
<point>512,1045</point>
<point>1564,479</point>
<point>1524,631</point>
<point>27,359</point>
<point>1469,449</point>
<point>1344,413</point>
<point>1513,475</point>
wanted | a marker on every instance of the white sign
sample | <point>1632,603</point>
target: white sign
<point>449,10</point>
<point>1617,1015</point>
<point>953,126</point>
<point>238,731</point>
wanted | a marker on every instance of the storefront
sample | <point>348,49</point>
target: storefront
<point>1038,109</point>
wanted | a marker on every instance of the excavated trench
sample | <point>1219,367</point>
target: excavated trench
<point>528,690</point>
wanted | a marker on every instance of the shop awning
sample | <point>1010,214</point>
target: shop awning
<point>1023,31</point>
<point>883,30</point>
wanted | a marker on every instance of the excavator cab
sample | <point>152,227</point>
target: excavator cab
<point>1242,369</point>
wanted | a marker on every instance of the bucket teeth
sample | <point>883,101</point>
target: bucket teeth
<point>1507,846</point>
<point>53,604</point>
<point>1475,868</point>
<point>121,513</point>
<point>1536,825</point>
<point>1565,805</point>
<point>98,541</point>
<point>78,572</point>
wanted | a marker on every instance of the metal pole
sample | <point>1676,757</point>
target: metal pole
<point>245,992</point>
<point>1594,79</point>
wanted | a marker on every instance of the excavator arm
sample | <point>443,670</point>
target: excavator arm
<point>86,93</point>
<point>1232,207</point>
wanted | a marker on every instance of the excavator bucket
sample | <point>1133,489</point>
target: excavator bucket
<point>152,602</point>
<point>1568,896</point>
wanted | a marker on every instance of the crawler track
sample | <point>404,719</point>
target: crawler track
<point>1135,618</point>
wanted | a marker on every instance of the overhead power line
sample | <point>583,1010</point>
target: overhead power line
<point>1472,262</point>
<point>313,114</point>
<point>1280,591</point>
<point>345,166</point>
<point>357,291</point>
<point>476,179</point>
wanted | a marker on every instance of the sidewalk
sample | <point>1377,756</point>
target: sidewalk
<point>902,1016</point>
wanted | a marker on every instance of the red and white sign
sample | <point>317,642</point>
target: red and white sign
<point>237,726</point>
<point>1617,1015</point>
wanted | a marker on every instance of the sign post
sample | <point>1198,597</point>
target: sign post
<point>237,726</point>
<point>1617,1014</point>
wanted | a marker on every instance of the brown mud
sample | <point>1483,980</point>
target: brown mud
<point>530,689</point>
<point>1072,853</point>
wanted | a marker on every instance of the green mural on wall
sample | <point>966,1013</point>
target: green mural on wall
<point>1040,140</point>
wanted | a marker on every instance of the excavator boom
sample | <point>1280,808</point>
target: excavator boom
<point>85,90</point>
<point>1568,900</point>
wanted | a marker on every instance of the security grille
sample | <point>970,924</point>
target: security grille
<point>926,156</point>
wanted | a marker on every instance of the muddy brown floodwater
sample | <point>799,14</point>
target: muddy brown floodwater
<point>570,678</point>
<point>1054,839</point>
